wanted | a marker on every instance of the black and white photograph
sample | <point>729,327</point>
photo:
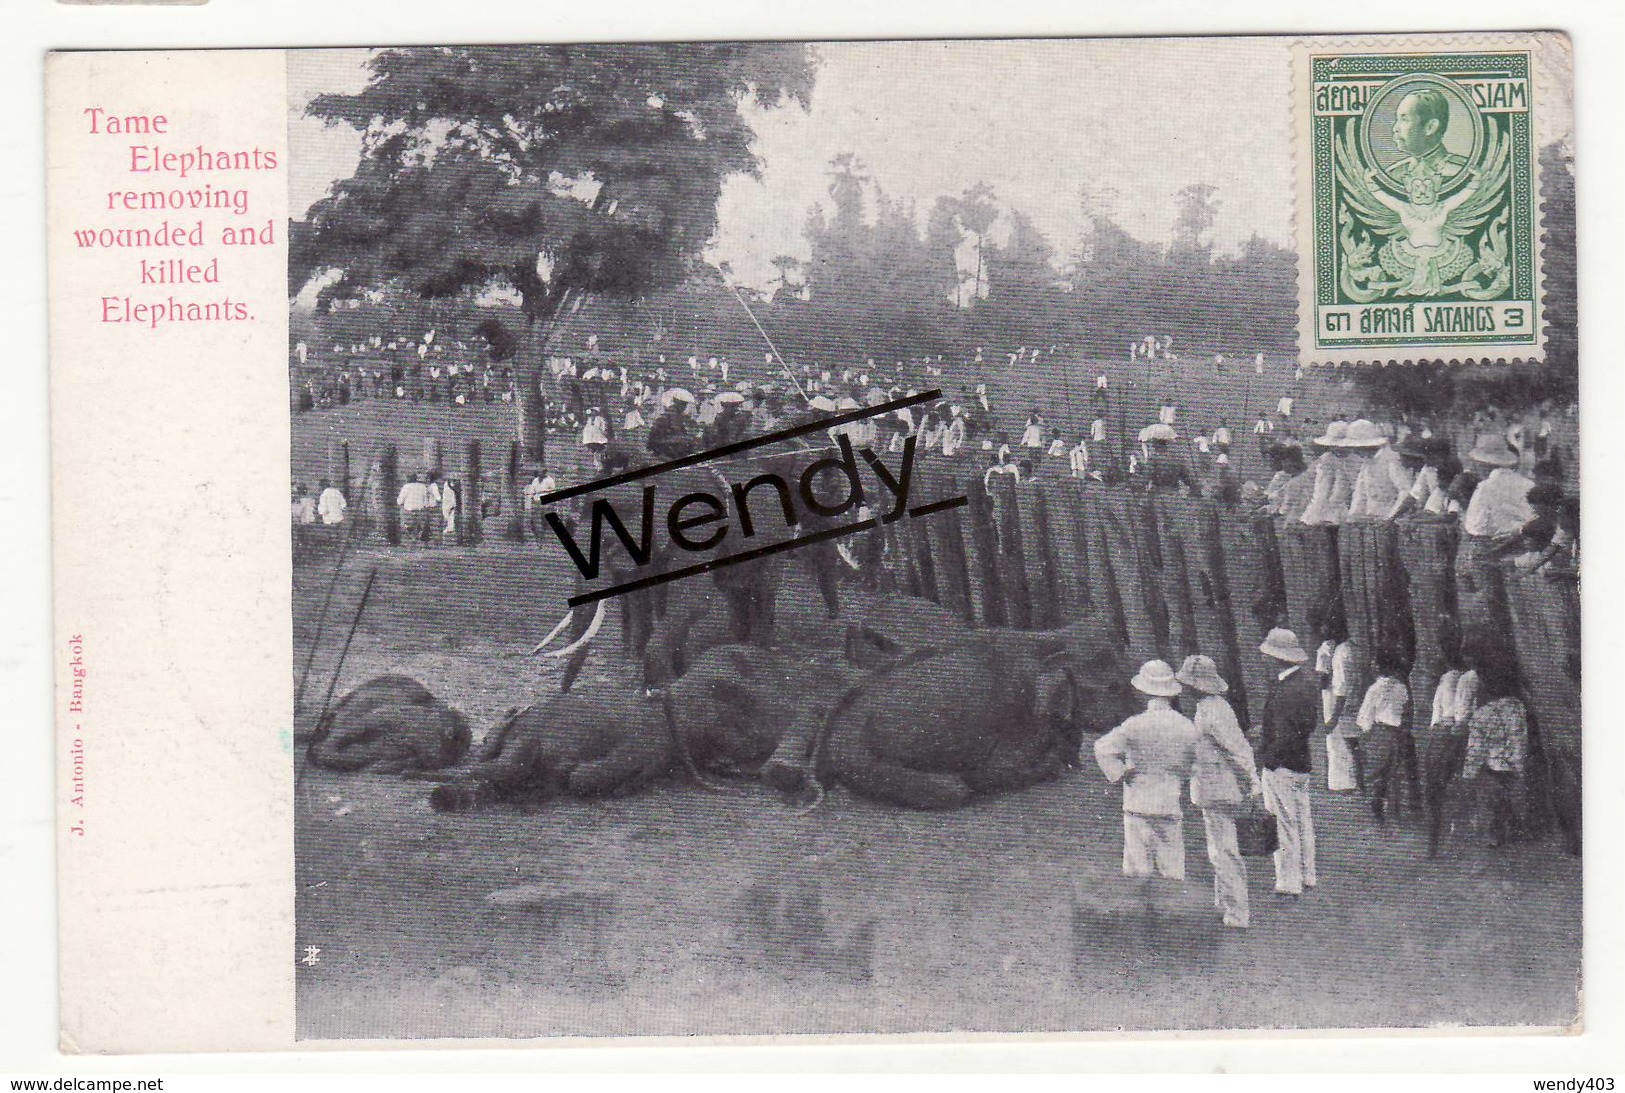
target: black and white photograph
<point>846,538</point>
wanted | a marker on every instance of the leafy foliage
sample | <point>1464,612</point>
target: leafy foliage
<point>557,171</point>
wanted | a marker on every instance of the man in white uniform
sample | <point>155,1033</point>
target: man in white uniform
<point>331,505</point>
<point>1152,753</point>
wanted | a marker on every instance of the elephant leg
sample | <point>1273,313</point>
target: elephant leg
<point>324,754</point>
<point>627,769</point>
<point>863,772</point>
<point>521,766</point>
<point>821,563</point>
<point>1009,770</point>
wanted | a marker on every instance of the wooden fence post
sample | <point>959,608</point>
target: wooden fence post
<point>1068,537</point>
<point>1310,572</point>
<point>338,467</point>
<point>1251,599</point>
<point>1012,565</point>
<point>513,489</point>
<point>1546,630</point>
<point>1114,518</point>
<point>948,550</point>
<point>471,524</point>
<point>1427,549</point>
<point>1373,586</point>
<point>389,487</point>
<point>925,562</point>
<point>1190,534</point>
<point>982,554</point>
<point>1166,513</point>
<point>1037,557</point>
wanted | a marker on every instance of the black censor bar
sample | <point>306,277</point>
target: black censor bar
<point>695,522</point>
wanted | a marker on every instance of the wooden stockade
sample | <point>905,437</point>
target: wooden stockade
<point>1427,549</point>
<point>1310,576</point>
<point>1247,575</point>
<point>1373,585</point>
<point>1546,630</point>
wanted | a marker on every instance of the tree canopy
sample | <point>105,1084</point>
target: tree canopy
<point>557,171</point>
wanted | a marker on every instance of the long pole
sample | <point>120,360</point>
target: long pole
<point>321,619</point>
<point>338,668</point>
<point>790,375</point>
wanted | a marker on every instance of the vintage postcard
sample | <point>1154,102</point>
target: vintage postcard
<point>761,539</point>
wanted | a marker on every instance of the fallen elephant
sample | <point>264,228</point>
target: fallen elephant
<point>391,725</point>
<point>725,716</point>
<point>988,712</point>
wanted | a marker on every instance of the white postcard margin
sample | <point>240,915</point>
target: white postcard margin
<point>172,567</point>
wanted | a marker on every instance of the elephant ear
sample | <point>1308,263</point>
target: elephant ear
<point>866,648</point>
<point>1056,699</point>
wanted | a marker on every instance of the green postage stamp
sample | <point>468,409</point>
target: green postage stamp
<point>1419,197</point>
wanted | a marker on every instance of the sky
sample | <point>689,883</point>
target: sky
<point>1133,121</point>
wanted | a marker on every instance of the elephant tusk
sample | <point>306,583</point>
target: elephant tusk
<point>592,632</point>
<point>551,634</point>
<point>818,799</point>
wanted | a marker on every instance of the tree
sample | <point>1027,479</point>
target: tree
<point>942,239</point>
<point>786,264</point>
<point>1198,209</point>
<point>557,171</point>
<point>977,212</point>
<point>838,241</point>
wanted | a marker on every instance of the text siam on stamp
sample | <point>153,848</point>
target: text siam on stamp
<point>1422,211</point>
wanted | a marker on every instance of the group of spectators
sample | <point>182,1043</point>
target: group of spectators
<point>1189,735</point>
<point>1507,494</point>
<point>1507,491</point>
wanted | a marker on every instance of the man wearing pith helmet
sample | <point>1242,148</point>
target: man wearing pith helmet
<point>1291,712</point>
<point>1152,754</point>
<point>1224,779</point>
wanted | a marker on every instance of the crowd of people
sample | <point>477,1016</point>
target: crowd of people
<point>408,370</point>
<point>1477,738</point>
<point>1507,488</point>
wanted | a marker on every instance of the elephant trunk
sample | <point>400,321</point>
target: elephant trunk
<point>789,769</point>
<point>679,745</point>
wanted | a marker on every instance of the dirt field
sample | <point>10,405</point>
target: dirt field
<point>687,911</point>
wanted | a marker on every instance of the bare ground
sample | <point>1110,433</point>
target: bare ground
<point>686,911</point>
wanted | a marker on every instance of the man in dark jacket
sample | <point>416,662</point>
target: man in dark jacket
<point>1291,712</point>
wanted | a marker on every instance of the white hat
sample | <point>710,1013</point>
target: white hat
<point>1282,644</point>
<point>1159,431</point>
<point>848,404</point>
<point>1200,672</point>
<point>1156,678</point>
<point>730,397</point>
<point>1336,433</point>
<point>822,402</point>
<point>676,394</point>
<point>1364,434</point>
